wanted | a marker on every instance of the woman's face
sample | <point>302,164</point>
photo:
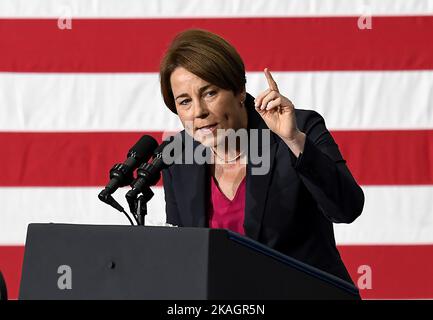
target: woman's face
<point>203,108</point>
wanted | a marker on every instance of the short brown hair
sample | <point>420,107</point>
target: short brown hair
<point>206,55</point>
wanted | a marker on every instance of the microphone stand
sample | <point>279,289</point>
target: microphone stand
<point>147,175</point>
<point>3,288</point>
<point>138,205</point>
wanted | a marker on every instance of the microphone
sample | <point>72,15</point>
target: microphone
<point>148,174</point>
<point>121,174</point>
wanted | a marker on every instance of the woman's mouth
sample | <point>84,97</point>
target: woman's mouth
<point>204,130</point>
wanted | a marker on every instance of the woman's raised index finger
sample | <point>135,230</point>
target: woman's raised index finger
<point>271,82</point>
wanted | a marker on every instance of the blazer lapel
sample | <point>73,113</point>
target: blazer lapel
<point>196,177</point>
<point>197,198</point>
<point>257,184</point>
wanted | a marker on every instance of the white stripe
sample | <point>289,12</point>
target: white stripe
<point>21,206</point>
<point>210,8</point>
<point>132,102</point>
<point>83,102</point>
<point>392,215</point>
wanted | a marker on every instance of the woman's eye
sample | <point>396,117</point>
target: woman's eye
<point>209,94</point>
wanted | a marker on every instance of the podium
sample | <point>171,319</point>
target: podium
<point>169,263</point>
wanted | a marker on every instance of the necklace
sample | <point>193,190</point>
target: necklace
<point>228,160</point>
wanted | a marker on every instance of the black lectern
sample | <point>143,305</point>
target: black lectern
<point>133,262</point>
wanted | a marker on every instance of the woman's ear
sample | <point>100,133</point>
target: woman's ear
<point>243,96</point>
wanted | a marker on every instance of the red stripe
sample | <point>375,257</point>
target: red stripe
<point>63,159</point>
<point>388,157</point>
<point>84,159</point>
<point>136,45</point>
<point>398,272</point>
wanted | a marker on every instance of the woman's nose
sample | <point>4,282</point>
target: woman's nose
<point>200,110</point>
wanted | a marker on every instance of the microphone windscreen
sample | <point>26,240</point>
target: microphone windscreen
<point>143,149</point>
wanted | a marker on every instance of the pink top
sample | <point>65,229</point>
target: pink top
<point>225,213</point>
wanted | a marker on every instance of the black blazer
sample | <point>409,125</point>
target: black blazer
<point>290,209</point>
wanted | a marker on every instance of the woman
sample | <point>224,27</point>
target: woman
<point>307,186</point>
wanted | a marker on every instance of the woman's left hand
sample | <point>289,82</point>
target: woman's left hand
<point>278,112</point>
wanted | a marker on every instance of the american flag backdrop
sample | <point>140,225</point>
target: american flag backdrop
<point>79,85</point>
